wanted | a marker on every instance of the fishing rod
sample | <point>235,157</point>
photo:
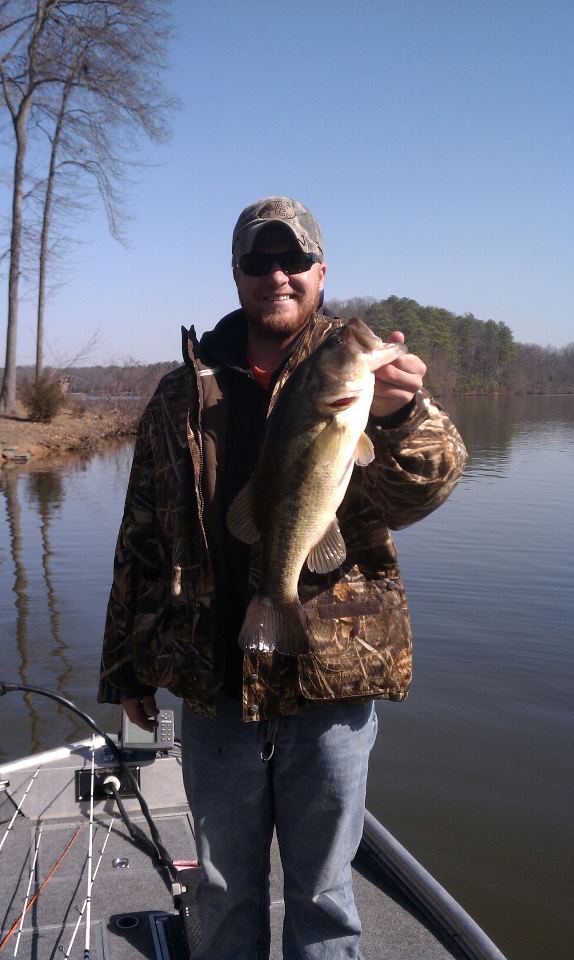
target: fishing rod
<point>29,887</point>
<point>85,903</point>
<point>153,847</point>
<point>90,852</point>
<point>17,925</point>
<point>18,808</point>
<point>181,878</point>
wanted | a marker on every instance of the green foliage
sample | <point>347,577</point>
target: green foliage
<point>463,354</point>
<point>43,399</point>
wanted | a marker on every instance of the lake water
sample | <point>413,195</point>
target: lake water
<point>474,772</point>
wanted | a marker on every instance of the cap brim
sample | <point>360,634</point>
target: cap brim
<point>244,244</point>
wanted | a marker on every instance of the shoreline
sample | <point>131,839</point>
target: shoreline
<point>22,440</point>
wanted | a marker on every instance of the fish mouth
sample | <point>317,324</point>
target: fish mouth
<point>339,401</point>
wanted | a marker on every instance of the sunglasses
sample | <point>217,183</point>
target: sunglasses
<point>290,261</point>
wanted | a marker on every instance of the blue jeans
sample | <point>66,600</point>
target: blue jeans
<point>312,791</point>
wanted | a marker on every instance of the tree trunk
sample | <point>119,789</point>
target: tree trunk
<point>19,120</point>
<point>45,234</point>
<point>8,394</point>
<point>42,283</point>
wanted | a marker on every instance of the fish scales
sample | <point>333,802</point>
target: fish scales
<point>296,503</point>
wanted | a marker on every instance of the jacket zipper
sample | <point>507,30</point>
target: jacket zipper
<point>198,484</point>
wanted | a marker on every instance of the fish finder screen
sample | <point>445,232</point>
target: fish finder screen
<point>137,735</point>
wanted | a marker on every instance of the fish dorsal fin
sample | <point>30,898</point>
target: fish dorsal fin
<point>329,552</point>
<point>241,516</point>
<point>364,452</point>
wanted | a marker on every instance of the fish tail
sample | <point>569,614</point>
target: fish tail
<point>272,626</point>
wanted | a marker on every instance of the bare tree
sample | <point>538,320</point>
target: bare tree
<point>93,77</point>
<point>20,76</point>
<point>45,230</point>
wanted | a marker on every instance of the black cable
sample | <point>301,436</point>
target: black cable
<point>137,835</point>
<point>160,851</point>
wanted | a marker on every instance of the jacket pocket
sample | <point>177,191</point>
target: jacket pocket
<point>172,645</point>
<point>360,639</point>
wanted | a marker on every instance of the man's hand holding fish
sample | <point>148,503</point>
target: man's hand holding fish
<point>396,383</point>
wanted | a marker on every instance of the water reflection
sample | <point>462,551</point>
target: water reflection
<point>55,539</point>
<point>491,426</point>
<point>61,522</point>
<point>46,492</point>
<point>477,754</point>
<point>8,486</point>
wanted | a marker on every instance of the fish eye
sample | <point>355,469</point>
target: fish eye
<point>334,340</point>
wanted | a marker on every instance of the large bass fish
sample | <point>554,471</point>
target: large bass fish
<point>313,438</point>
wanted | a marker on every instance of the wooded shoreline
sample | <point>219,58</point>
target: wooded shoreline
<point>465,357</point>
<point>73,431</point>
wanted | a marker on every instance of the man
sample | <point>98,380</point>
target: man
<point>269,741</point>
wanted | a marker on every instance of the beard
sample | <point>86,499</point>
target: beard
<point>278,324</point>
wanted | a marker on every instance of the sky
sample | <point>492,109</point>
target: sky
<point>432,139</point>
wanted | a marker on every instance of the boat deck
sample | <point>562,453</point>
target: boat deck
<point>132,912</point>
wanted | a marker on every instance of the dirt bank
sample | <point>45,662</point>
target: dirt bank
<point>22,439</point>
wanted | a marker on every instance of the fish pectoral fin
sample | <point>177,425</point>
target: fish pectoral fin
<point>241,516</point>
<point>364,451</point>
<point>330,552</point>
<point>327,446</point>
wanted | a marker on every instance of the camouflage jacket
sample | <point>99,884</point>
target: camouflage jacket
<point>160,624</point>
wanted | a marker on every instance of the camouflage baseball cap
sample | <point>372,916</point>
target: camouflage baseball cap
<point>290,213</point>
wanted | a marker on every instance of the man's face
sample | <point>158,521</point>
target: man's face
<point>279,305</point>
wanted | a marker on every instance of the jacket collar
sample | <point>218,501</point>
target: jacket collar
<point>226,344</point>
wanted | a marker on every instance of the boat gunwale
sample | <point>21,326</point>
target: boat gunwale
<point>426,892</point>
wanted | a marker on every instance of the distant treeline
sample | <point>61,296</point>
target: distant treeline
<point>115,381</point>
<point>464,354</point>
<point>131,379</point>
